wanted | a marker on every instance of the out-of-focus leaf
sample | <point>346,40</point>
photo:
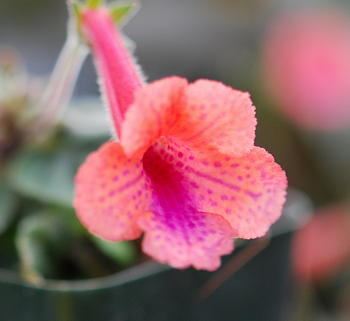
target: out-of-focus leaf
<point>123,252</point>
<point>47,175</point>
<point>40,239</point>
<point>123,11</point>
<point>69,219</point>
<point>44,176</point>
<point>7,207</point>
<point>94,3</point>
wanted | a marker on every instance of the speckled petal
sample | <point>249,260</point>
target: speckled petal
<point>111,192</point>
<point>200,243</point>
<point>153,114</point>
<point>175,232</point>
<point>247,191</point>
<point>217,117</point>
<point>207,115</point>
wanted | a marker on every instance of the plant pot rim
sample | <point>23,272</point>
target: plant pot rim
<point>131,274</point>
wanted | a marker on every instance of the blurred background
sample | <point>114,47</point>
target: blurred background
<point>292,56</point>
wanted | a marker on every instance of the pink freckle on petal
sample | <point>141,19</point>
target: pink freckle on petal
<point>194,185</point>
<point>210,191</point>
<point>179,164</point>
<point>191,225</point>
<point>115,178</point>
<point>217,164</point>
<point>180,155</point>
<point>191,158</point>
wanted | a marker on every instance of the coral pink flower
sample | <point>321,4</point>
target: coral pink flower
<point>307,66</point>
<point>322,247</point>
<point>185,171</point>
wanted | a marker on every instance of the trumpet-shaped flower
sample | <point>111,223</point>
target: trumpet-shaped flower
<point>185,171</point>
<point>307,67</point>
<point>321,248</point>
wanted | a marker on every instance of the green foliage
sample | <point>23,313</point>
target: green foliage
<point>124,253</point>
<point>40,238</point>
<point>46,174</point>
<point>93,3</point>
<point>123,11</point>
<point>37,204</point>
<point>7,206</point>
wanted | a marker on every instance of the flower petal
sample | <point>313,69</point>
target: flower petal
<point>175,232</point>
<point>206,115</point>
<point>152,115</point>
<point>321,248</point>
<point>111,192</point>
<point>247,191</point>
<point>217,117</point>
<point>200,243</point>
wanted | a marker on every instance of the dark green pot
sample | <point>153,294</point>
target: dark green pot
<point>260,291</point>
<point>152,292</point>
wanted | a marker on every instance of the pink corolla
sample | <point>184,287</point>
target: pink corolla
<point>307,68</point>
<point>185,171</point>
<point>322,247</point>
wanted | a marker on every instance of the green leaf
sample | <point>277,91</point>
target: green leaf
<point>7,207</point>
<point>40,238</point>
<point>123,252</point>
<point>94,3</point>
<point>123,11</point>
<point>47,173</point>
<point>70,220</point>
<point>45,176</point>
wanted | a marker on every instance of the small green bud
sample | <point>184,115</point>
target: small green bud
<point>122,11</point>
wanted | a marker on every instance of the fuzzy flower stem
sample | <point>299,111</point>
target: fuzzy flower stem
<point>118,73</point>
<point>61,83</point>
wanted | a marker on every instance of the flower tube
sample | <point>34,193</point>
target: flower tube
<point>185,172</point>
